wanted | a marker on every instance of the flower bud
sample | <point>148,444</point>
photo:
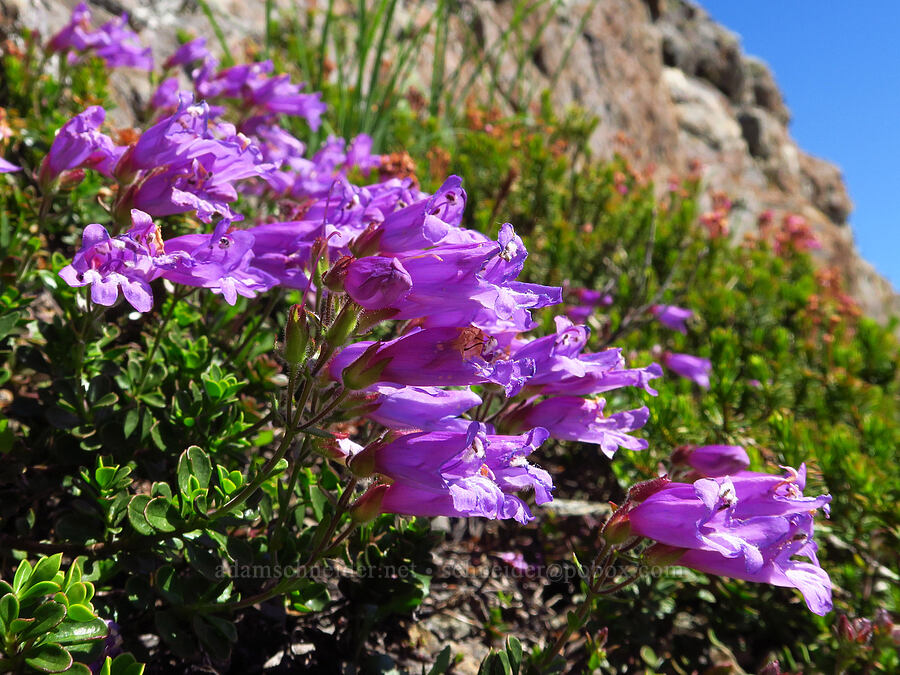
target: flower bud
<point>362,464</point>
<point>338,447</point>
<point>368,507</point>
<point>366,370</point>
<point>377,282</point>
<point>48,182</point>
<point>334,278</point>
<point>663,555</point>
<point>367,243</point>
<point>343,326</point>
<point>296,335</point>
<point>617,529</point>
<point>641,491</point>
<point>370,319</point>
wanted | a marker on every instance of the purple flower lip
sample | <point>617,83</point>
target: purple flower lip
<point>694,368</point>
<point>7,167</point>
<point>672,317</point>
<point>468,473</point>
<point>713,461</point>
<point>128,263</point>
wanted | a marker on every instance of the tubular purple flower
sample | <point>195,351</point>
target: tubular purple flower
<point>253,84</point>
<point>76,34</point>
<point>77,145</point>
<point>562,368</point>
<point>193,50</point>
<point>282,250</point>
<point>672,317</point>
<point>425,223</point>
<point>694,368</point>
<point>128,262</point>
<point>112,42</point>
<point>220,261</point>
<point>460,284</point>
<point>359,154</point>
<point>570,418</point>
<point>713,461</point>
<point>121,46</point>
<point>166,95</point>
<point>7,167</point>
<point>425,408</point>
<point>440,356</point>
<point>376,282</point>
<point>462,474</point>
<point>750,526</point>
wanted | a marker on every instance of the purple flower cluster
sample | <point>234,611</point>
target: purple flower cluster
<point>462,392</point>
<point>113,42</point>
<point>752,526</point>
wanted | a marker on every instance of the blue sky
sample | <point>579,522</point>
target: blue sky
<point>837,63</point>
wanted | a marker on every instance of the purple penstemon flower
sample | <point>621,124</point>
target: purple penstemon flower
<point>128,262</point>
<point>748,526</point>
<point>570,418</point>
<point>713,461</point>
<point>467,473</point>
<point>220,261</point>
<point>112,42</point>
<point>672,317</point>
<point>254,84</point>
<point>79,145</point>
<point>439,356</point>
<point>180,164</point>
<point>694,368</point>
<point>424,408</point>
<point>121,46</point>
<point>189,52</point>
<point>562,368</point>
<point>76,34</point>
<point>7,167</point>
<point>462,284</point>
<point>376,282</point>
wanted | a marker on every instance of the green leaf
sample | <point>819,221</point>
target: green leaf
<point>318,500</point>
<point>23,573</point>
<point>104,475</point>
<point>160,514</point>
<point>78,669</point>
<point>514,650</point>
<point>123,664</point>
<point>441,662</point>
<point>74,632</point>
<point>153,399</point>
<point>46,569</point>
<point>193,462</point>
<point>38,590</point>
<point>46,617</point>
<point>168,586</point>
<point>217,644</point>
<point>49,658</point>
<point>136,517</point>
<point>132,418</point>
<point>9,610</point>
<point>81,613</point>
<point>106,400</point>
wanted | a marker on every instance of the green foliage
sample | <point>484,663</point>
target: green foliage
<point>48,622</point>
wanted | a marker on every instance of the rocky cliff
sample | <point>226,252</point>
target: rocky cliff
<point>675,83</point>
<point>659,73</point>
